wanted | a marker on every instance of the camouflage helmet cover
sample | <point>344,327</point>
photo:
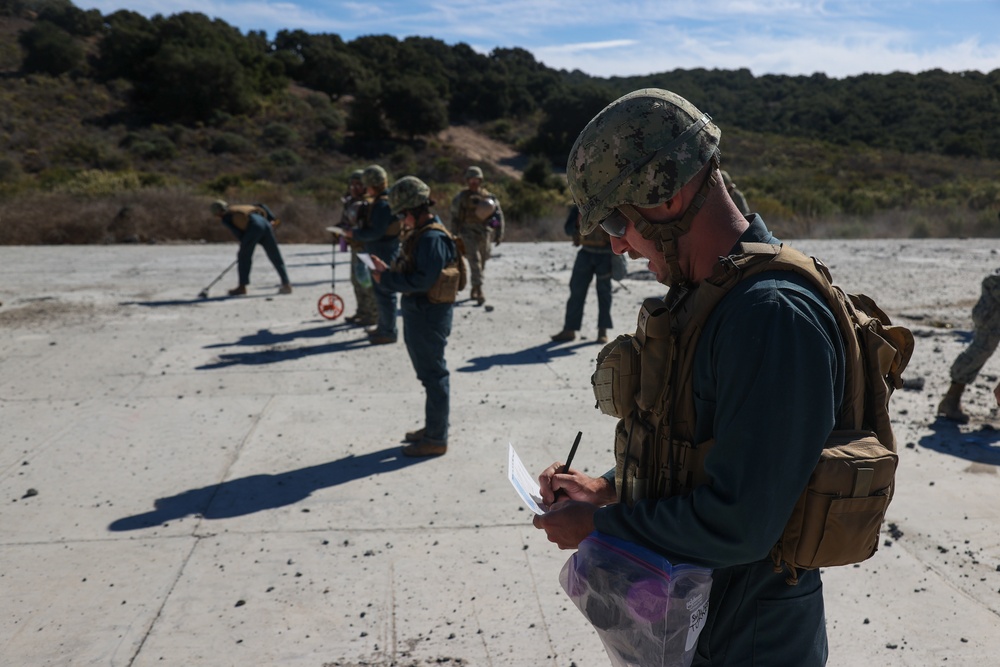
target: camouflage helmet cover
<point>473,172</point>
<point>357,175</point>
<point>218,207</point>
<point>408,192</point>
<point>641,150</point>
<point>374,176</point>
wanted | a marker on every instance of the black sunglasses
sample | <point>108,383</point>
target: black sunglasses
<point>616,223</point>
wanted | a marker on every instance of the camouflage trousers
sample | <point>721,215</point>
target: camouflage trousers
<point>985,333</point>
<point>477,250</point>
<point>364,292</point>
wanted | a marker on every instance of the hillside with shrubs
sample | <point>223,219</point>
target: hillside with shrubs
<point>120,128</point>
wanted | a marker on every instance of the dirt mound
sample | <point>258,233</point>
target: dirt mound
<point>481,149</point>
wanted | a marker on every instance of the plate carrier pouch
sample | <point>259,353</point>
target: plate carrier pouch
<point>240,215</point>
<point>453,277</point>
<point>838,517</point>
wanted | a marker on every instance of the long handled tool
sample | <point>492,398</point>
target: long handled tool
<point>330,305</point>
<point>204,293</point>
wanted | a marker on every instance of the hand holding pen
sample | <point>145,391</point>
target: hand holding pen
<point>560,494</point>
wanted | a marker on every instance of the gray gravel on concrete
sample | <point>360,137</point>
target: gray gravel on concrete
<point>216,481</point>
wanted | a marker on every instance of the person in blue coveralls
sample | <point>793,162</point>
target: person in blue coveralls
<point>427,274</point>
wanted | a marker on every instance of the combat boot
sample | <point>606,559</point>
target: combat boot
<point>602,335</point>
<point>426,447</point>
<point>286,288</point>
<point>564,336</point>
<point>239,290</point>
<point>950,406</point>
<point>414,436</point>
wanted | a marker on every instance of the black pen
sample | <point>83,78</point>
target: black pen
<point>569,460</point>
<point>572,452</point>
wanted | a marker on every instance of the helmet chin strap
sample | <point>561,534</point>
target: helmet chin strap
<point>666,234</point>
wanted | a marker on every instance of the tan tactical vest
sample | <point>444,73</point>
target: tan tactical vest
<point>596,239</point>
<point>467,209</point>
<point>240,215</point>
<point>646,381</point>
<point>453,276</point>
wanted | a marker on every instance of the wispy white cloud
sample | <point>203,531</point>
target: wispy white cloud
<point>606,38</point>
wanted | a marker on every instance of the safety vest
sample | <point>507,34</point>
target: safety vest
<point>646,381</point>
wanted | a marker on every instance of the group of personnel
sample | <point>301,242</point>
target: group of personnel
<point>717,437</point>
<point>413,255</point>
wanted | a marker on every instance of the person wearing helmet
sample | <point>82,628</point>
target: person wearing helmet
<point>379,232</point>
<point>985,338</point>
<point>719,437</point>
<point>425,273</point>
<point>251,225</point>
<point>476,216</point>
<point>592,261</point>
<point>353,208</point>
<point>735,194</point>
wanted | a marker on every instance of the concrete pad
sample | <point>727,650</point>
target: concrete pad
<point>218,481</point>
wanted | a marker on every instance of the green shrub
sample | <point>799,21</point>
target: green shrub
<point>48,49</point>
<point>154,148</point>
<point>285,157</point>
<point>328,140</point>
<point>229,142</point>
<point>332,120</point>
<point>224,183</point>
<point>278,134</point>
<point>97,182</point>
<point>10,171</point>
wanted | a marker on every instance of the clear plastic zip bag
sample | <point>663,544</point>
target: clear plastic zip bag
<point>647,612</point>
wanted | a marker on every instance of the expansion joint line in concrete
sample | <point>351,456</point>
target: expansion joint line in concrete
<point>198,538</point>
<point>166,597</point>
<point>538,601</point>
<point>939,573</point>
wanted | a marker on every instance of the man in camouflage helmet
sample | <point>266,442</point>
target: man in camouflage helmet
<point>735,194</point>
<point>985,337</point>
<point>476,216</point>
<point>379,232</point>
<point>353,204</point>
<point>421,275</point>
<point>766,377</point>
<point>252,225</point>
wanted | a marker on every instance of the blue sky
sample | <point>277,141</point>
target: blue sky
<point>608,38</point>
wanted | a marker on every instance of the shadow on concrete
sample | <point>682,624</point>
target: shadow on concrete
<point>257,493</point>
<point>277,356</point>
<point>222,296</point>
<point>268,337</point>
<point>982,446</point>
<point>539,354</point>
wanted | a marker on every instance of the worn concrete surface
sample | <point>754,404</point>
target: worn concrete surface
<point>216,482</point>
